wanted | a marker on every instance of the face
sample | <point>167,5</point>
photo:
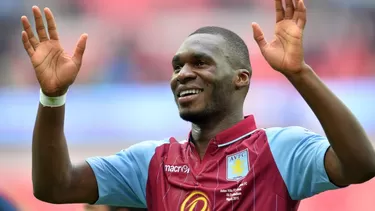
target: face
<point>203,80</point>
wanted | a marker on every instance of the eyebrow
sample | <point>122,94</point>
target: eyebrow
<point>175,59</point>
<point>195,56</point>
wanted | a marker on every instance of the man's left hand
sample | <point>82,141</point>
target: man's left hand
<point>285,52</point>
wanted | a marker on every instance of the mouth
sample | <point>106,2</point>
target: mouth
<point>187,96</point>
<point>189,92</point>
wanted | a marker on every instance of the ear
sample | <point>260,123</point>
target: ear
<point>242,78</point>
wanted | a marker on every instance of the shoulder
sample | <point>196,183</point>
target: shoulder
<point>294,140</point>
<point>150,148</point>
<point>141,152</point>
<point>299,156</point>
<point>122,177</point>
<point>291,137</point>
<point>151,144</point>
<point>145,146</point>
<point>288,134</point>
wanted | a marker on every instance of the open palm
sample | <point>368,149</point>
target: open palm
<point>54,69</point>
<point>285,52</point>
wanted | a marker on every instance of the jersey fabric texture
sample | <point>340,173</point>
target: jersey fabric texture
<point>244,168</point>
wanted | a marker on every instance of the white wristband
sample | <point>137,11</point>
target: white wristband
<point>51,101</point>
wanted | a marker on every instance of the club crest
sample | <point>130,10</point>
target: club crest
<point>238,165</point>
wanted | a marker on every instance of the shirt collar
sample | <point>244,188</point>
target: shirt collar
<point>240,130</point>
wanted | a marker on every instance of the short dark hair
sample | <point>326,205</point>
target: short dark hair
<point>239,53</point>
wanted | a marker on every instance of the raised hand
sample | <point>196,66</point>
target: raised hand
<point>285,52</point>
<point>54,68</point>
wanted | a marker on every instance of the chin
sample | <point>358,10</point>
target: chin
<point>192,116</point>
<point>196,115</point>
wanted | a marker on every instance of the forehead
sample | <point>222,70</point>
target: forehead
<point>209,44</point>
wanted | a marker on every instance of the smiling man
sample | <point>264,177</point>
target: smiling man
<point>227,163</point>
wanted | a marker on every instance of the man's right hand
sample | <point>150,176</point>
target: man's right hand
<point>55,179</point>
<point>54,68</point>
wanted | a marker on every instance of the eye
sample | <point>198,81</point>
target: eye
<point>176,68</point>
<point>200,63</point>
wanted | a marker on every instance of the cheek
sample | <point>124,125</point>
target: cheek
<point>173,83</point>
<point>208,98</point>
<point>220,92</point>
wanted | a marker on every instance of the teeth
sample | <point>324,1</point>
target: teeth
<point>190,91</point>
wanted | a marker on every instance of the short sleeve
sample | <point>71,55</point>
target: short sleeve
<point>122,177</point>
<point>299,155</point>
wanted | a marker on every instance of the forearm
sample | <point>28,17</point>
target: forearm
<point>51,165</point>
<point>346,136</point>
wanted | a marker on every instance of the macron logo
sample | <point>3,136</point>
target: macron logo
<point>177,169</point>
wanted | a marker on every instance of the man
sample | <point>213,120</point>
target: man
<point>227,163</point>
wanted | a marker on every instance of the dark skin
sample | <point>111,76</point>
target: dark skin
<point>55,179</point>
<point>200,63</point>
<point>350,160</point>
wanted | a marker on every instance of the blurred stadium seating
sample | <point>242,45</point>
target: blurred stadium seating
<point>122,95</point>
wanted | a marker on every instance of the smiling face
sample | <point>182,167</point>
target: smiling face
<point>203,82</point>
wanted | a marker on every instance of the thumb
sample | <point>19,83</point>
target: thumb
<point>259,36</point>
<point>80,49</point>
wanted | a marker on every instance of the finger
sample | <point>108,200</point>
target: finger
<point>40,29</point>
<point>259,36</point>
<point>30,34</point>
<point>302,17</point>
<point>52,30</point>
<point>296,11</point>
<point>80,49</point>
<point>289,9</point>
<point>279,10</point>
<point>27,45</point>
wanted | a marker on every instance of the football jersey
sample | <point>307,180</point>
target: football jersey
<point>244,168</point>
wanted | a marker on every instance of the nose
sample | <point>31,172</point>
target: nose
<point>186,74</point>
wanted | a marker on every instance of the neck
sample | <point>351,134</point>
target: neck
<point>203,132</point>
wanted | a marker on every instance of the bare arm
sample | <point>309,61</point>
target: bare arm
<point>55,179</point>
<point>351,159</point>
